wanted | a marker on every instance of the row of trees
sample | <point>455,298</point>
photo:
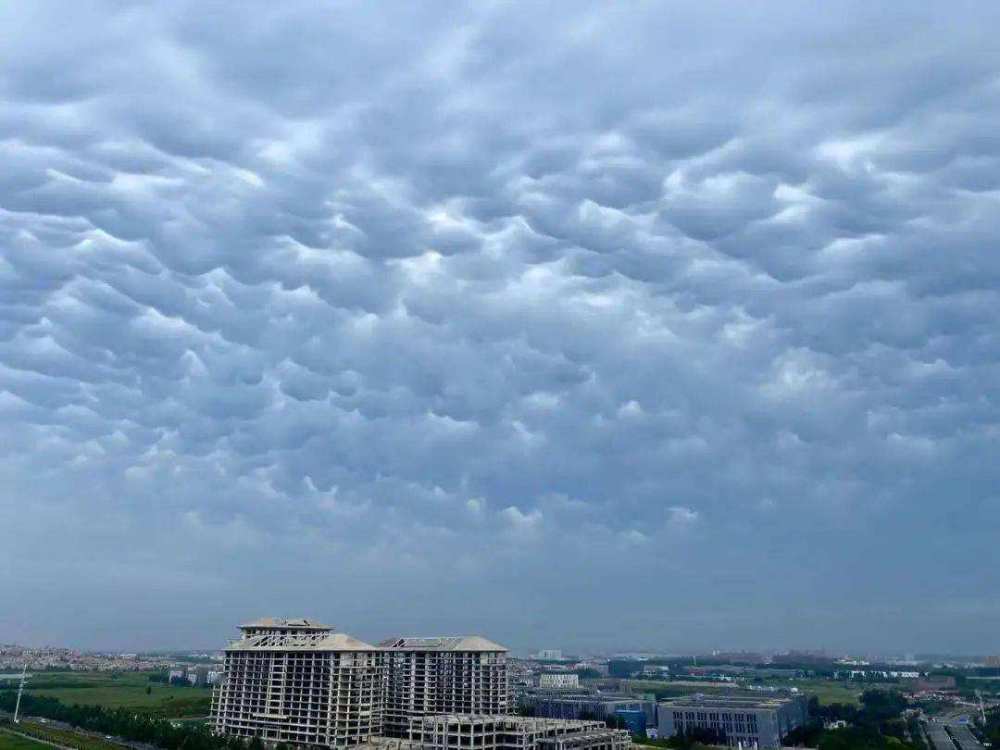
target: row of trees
<point>877,724</point>
<point>123,723</point>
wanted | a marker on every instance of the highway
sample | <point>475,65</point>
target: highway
<point>939,737</point>
<point>963,737</point>
<point>948,733</point>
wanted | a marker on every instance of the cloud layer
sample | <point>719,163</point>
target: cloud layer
<point>643,326</point>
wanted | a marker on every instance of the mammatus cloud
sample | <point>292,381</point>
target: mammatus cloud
<point>505,319</point>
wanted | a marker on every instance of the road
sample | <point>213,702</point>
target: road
<point>949,733</point>
<point>939,737</point>
<point>963,737</point>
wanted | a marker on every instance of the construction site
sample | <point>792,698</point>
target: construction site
<point>300,683</point>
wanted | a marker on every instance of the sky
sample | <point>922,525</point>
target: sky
<point>601,326</point>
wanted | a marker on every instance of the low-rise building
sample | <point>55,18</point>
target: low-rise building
<point>460,732</point>
<point>559,681</point>
<point>557,704</point>
<point>746,722</point>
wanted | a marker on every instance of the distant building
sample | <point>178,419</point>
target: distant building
<point>993,661</point>
<point>809,658</point>
<point>559,681</point>
<point>634,720</point>
<point>749,722</point>
<point>550,654</point>
<point>931,683</point>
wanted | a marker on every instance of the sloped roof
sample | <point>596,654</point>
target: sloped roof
<point>305,641</point>
<point>445,643</point>
<point>281,622</point>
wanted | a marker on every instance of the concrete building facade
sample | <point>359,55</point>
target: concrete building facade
<point>298,682</point>
<point>462,675</point>
<point>478,732</point>
<point>746,722</point>
<point>301,683</point>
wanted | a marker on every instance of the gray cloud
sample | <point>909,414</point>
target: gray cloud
<point>425,318</point>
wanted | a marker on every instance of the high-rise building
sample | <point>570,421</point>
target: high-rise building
<point>451,675</point>
<point>298,682</point>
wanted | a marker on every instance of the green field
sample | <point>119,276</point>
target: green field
<point>13,742</point>
<point>127,690</point>
<point>65,737</point>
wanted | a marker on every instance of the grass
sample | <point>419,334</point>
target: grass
<point>66,737</point>
<point>161,701</point>
<point>13,742</point>
<point>834,692</point>
<point>127,690</point>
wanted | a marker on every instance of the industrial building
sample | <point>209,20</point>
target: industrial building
<point>455,675</point>
<point>743,722</point>
<point>560,704</point>
<point>298,682</point>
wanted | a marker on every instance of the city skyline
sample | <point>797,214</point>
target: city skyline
<point>634,326</point>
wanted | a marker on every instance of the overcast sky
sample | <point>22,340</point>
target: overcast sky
<point>665,325</point>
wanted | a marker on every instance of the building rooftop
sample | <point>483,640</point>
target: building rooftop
<point>704,701</point>
<point>279,622</point>
<point>446,643</point>
<point>303,641</point>
<point>529,722</point>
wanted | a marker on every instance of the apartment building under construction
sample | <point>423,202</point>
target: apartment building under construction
<point>298,682</point>
<point>454,732</point>
<point>464,675</point>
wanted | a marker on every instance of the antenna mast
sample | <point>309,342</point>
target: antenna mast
<point>20,689</point>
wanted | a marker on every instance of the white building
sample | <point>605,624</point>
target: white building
<point>559,681</point>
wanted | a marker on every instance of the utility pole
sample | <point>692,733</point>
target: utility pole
<point>20,689</point>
